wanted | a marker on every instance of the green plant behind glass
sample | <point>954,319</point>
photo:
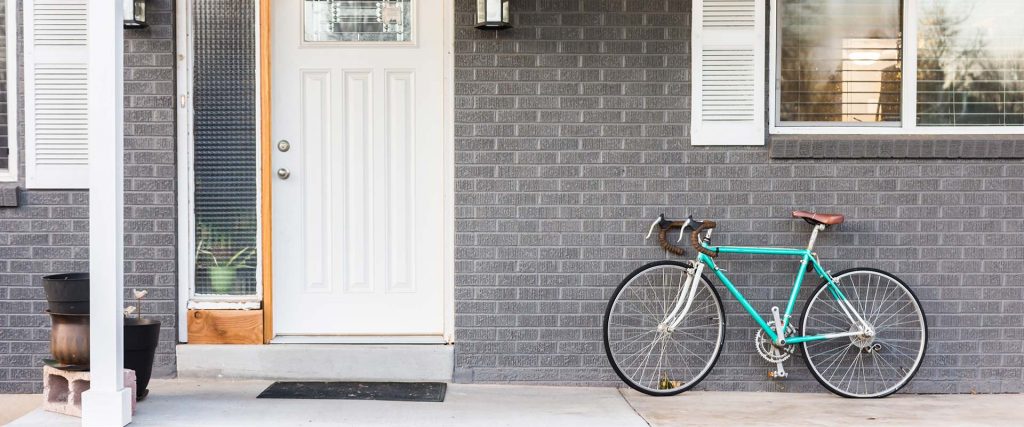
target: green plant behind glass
<point>220,250</point>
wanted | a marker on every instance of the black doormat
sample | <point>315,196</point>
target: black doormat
<point>404,392</point>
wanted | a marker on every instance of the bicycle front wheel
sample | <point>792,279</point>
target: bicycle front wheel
<point>859,365</point>
<point>645,350</point>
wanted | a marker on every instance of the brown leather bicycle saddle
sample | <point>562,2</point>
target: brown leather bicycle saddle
<point>819,218</point>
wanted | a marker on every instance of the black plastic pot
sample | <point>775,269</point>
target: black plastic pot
<point>141,337</point>
<point>67,293</point>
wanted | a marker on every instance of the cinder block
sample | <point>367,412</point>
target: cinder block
<point>62,390</point>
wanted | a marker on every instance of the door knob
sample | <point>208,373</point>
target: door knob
<point>283,173</point>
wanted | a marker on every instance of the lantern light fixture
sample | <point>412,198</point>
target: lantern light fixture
<point>134,14</point>
<point>492,14</point>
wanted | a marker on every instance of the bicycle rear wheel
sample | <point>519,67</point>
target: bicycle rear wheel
<point>862,366</point>
<point>662,361</point>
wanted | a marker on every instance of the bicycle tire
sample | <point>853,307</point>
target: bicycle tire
<point>719,308</point>
<point>918,360</point>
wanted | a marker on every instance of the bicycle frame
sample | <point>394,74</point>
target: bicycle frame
<point>806,257</point>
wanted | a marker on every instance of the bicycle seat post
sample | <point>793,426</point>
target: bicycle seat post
<point>814,236</point>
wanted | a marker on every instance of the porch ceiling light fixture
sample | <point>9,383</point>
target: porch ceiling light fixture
<point>492,14</point>
<point>134,14</point>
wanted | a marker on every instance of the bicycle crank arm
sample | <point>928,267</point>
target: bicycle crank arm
<point>779,333</point>
<point>780,372</point>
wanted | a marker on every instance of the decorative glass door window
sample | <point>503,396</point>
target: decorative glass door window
<point>357,20</point>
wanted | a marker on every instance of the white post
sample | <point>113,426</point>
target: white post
<point>107,403</point>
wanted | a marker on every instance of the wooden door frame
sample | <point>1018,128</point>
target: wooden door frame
<point>213,308</point>
<point>266,167</point>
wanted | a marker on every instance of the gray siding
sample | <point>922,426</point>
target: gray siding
<point>48,231</point>
<point>572,133</point>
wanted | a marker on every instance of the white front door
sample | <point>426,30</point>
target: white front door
<point>357,93</point>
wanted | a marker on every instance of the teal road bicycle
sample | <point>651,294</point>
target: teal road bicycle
<point>862,331</point>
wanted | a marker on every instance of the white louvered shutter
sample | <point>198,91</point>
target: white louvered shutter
<point>728,72</point>
<point>56,97</point>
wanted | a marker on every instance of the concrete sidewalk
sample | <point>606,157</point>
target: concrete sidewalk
<point>826,409</point>
<point>234,403</point>
<point>14,406</point>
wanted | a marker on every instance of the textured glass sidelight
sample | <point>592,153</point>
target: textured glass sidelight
<point>225,153</point>
<point>357,20</point>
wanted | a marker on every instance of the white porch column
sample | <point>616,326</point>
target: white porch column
<point>107,403</point>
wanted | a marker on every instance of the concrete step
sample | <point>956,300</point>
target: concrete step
<point>331,362</point>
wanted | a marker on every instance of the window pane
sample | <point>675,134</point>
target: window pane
<point>224,126</point>
<point>840,61</point>
<point>357,20</point>
<point>970,63</point>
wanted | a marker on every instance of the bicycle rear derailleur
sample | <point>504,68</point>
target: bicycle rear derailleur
<point>773,353</point>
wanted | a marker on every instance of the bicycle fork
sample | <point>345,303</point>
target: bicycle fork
<point>682,306</point>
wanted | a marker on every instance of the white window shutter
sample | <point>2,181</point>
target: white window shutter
<point>56,94</point>
<point>728,72</point>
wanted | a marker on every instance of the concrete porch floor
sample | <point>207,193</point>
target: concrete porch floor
<point>14,406</point>
<point>230,403</point>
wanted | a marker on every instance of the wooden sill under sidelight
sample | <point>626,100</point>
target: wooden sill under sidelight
<point>225,327</point>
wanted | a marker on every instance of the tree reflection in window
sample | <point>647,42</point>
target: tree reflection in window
<point>970,65</point>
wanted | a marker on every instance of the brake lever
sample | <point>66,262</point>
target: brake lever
<point>682,230</point>
<point>657,222</point>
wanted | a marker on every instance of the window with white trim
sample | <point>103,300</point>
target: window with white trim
<point>898,66</point>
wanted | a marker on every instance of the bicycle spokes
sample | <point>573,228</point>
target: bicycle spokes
<point>662,335</point>
<point>862,364</point>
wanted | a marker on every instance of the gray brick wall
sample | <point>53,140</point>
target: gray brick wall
<point>48,231</point>
<point>572,133</point>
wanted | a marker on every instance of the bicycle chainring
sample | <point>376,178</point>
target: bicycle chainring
<point>769,351</point>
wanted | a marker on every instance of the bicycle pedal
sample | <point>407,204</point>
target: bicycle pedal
<point>779,371</point>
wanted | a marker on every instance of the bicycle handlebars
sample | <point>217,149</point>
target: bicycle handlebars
<point>695,238</point>
<point>695,225</point>
<point>664,226</point>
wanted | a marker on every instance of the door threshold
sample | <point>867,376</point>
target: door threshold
<point>317,362</point>
<point>358,339</point>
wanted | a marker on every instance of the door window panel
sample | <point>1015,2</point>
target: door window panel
<point>357,20</point>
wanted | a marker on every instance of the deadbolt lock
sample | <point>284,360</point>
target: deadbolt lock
<point>283,145</point>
